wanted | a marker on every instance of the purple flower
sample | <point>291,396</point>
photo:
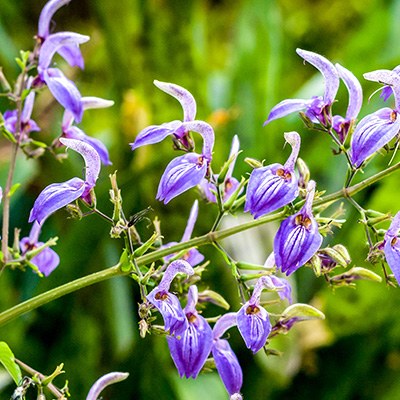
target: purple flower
<point>191,350</point>
<point>47,260</point>
<point>392,247</point>
<point>387,90</point>
<point>253,320</point>
<point>274,186</point>
<point>380,127</point>
<point>343,125</point>
<point>225,359</point>
<point>316,106</point>
<point>73,132</point>
<point>27,124</point>
<point>70,52</point>
<point>63,89</point>
<point>298,238</point>
<point>157,133</point>
<point>58,195</point>
<point>103,382</point>
<point>193,256</point>
<point>187,171</point>
<point>166,302</point>
<point>230,183</point>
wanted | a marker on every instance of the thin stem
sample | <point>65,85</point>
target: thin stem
<point>105,217</point>
<point>208,238</point>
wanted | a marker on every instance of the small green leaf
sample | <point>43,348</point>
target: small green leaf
<point>49,379</point>
<point>124,262</point>
<point>39,144</point>
<point>13,189</point>
<point>8,360</point>
<point>302,312</point>
<point>20,63</point>
<point>8,134</point>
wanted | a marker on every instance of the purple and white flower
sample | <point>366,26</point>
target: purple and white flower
<point>166,302</point>
<point>253,320</point>
<point>191,350</point>
<point>298,237</point>
<point>275,185</point>
<point>156,133</point>
<point>316,107</point>
<point>58,195</point>
<point>379,128</point>
<point>392,247</point>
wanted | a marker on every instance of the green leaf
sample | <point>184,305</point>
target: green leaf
<point>20,63</point>
<point>13,189</point>
<point>303,312</point>
<point>8,360</point>
<point>8,134</point>
<point>124,262</point>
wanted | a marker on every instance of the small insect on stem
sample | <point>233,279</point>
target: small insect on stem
<point>139,216</point>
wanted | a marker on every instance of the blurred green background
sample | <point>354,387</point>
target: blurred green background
<point>238,59</point>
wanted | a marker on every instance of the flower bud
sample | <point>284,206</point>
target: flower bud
<point>304,173</point>
<point>253,162</point>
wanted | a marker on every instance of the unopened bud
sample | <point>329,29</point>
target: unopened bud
<point>74,211</point>
<point>316,264</point>
<point>213,297</point>
<point>253,162</point>
<point>4,83</point>
<point>306,119</point>
<point>143,328</point>
<point>304,173</point>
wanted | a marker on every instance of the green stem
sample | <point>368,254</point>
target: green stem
<point>208,238</point>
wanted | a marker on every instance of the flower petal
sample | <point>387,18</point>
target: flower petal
<point>72,54</point>
<point>155,133</point>
<point>56,196</point>
<point>103,382</point>
<point>47,14</point>
<point>228,366</point>
<point>269,189</point>
<point>286,107</point>
<point>355,92</point>
<point>64,91</point>
<point>192,349</point>
<point>89,154</point>
<point>181,174</point>
<point>254,326</point>
<point>328,71</point>
<point>183,96</point>
<point>75,133</point>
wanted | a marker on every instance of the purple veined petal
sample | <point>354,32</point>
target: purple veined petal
<point>56,196</point>
<point>64,91</point>
<point>392,246</point>
<point>192,349</point>
<point>293,138</point>
<point>224,323</point>
<point>254,326</point>
<point>53,43</point>
<point>386,93</point>
<point>191,221</point>
<point>46,261</point>
<point>394,228</point>
<point>28,107</point>
<point>355,92</point>
<point>103,382</point>
<point>231,184</point>
<point>34,233</point>
<point>387,77</point>
<point>193,257</point>
<point>286,107</point>
<point>47,14</point>
<point>207,133</point>
<point>328,71</point>
<point>72,54</point>
<point>372,133</point>
<point>295,244</point>
<point>269,189</point>
<point>155,133</point>
<point>76,133</point>
<point>228,366</point>
<point>176,267</point>
<point>184,97</point>
<point>170,308</point>
<point>283,286</point>
<point>181,174</point>
<point>89,154</point>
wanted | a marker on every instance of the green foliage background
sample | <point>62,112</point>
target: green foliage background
<point>238,59</point>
